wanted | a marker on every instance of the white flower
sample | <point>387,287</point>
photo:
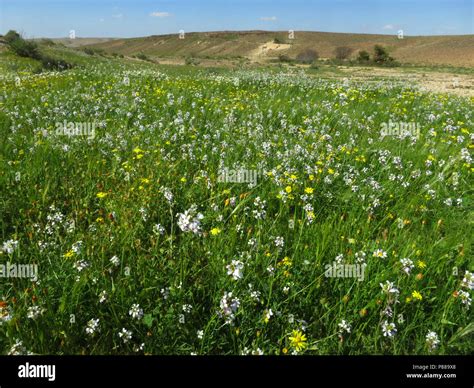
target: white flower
<point>77,247</point>
<point>432,340</point>
<point>344,326</point>
<point>34,312</point>
<point>103,296</point>
<point>81,265</point>
<point>380,253</point>
<point>167,194</point>
<point>389,329</point>
<point>200,334</point>
<point>360,256</point>
<point>279,242</point>
<point>468,280</point>
<point>158,229</point>
<point>9,246</point>
<point>187,308</point>
<point>165,292</point>
<point>135,311</point>
<point>234,269</point>
<point>267,314</point>
<point>407,265</point>
<point>5,314</point>
<point>388,288</point>
<point>465,297</point>
<point>138,348</point>
<point>189,222</point>
<point>144,213</point>
<point>228,307</point>
<point>126,335</point>
<point>92,326</point>
<point>18,349</point>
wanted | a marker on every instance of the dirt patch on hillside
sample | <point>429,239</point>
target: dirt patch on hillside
<point>268,49</point>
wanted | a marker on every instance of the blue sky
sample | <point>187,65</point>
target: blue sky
<point>130,18</point>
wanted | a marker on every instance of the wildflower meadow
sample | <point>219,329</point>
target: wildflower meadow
<point>177,210</point>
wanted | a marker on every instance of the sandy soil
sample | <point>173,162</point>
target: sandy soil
<point>458,84</point>
<point>267,49</point>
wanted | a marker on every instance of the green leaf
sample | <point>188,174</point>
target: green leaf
<point>148,320</point>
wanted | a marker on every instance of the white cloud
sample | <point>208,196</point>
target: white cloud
<point>160,14</point>
<point>389,27</point>
<point>117,16</point>
<point>268,18</point>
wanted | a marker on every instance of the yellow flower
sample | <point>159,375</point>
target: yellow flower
<point>298,340</point>
<point>101,195</point>
<point>309,190</point>
<point>420,264</point>
<point>215,231</point>
<point>69,254</point>
<point>416,295</point>
<point>288,189</point>
<point>183,179</point>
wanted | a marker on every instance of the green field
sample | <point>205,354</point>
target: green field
<point>120,181</point>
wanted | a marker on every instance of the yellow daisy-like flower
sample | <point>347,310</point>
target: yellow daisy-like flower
<point>215,231</point>
<point>69,254</point>
<point>288,189</point>
<point>421,264</point>
<point>416,295</point>
<point>102,194</point>
<point>309,190</point>
<point>298,340</point>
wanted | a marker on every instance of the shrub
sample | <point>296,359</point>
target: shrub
<point>20,46</point>
<point>192,61</point>
<point>381,56</point>
<point>343,52</point>
<point>54,63</point>
<point>143,57</point>
<point>89,51</point>
<point>284,58</point>
<point>11,36</point>
<point>363,56</point>
<point>307,56</point>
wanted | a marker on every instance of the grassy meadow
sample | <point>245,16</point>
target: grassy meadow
<point>198,211</point>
